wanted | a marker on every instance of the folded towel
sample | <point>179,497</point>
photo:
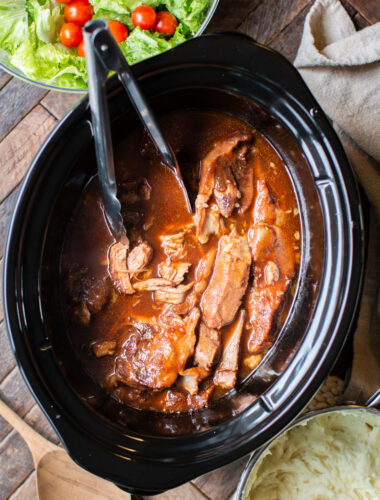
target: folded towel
<point>341,66</point>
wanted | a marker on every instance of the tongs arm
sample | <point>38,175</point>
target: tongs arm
<point>103,55</point>
<point>97,76</point>
<point>110,54</point>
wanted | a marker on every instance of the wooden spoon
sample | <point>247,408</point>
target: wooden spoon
<point>57,476</point>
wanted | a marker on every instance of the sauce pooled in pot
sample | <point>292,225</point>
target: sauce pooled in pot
<point>175,317</point>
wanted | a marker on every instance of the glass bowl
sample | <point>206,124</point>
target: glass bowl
<point>6,66</point>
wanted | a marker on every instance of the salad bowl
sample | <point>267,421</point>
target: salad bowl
<point>16,22</point>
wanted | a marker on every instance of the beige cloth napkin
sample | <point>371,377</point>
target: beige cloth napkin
<point>342,69</point>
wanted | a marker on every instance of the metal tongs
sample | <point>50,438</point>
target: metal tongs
<point>103,55</point>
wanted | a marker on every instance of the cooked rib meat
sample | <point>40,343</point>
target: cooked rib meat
<point>226,192</point>
<point>118,269</point>
<point>129,198</point>
<point>104,348</point>
<point>201,399</point>
<point>221,154</point>
<point>97,293</point>
<point>139,257</point>
<point>228,283</point>
<point>131,218</point>
<point>173,245</point>
<point>226,372</point>
<point>217,177</point>
<point>172,295</point>
<point>88,294</point>
<point>173,271</point>
<point>151,285</point>
<point>271,273</point>
<point>81,315</point>
<point>263,305</point>
<point>202,275</point>
<point>274,260</point>
<point>207,218</point>
<point>134,190</point>
<point>208,347</point>
<point>190,378</point>
<point>244,175</point>
<point>264,208</point>
<point>261,239</point>
<point>153,355</point>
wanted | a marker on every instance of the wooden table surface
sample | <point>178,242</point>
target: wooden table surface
<point>27,115</point>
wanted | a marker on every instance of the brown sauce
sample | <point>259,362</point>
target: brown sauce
<point>159,209</point>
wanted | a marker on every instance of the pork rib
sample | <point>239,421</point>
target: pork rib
<point>190,378</point>
<point>118,269</point>
<point>274,267</point>
<point>202,275</point>
<point>139,257</point>
<point>229,281</point>
<point>172,295</point>
<point>222,168</point>
<point>208,347</point>
<point>173,271</point>
<point>226,372</point>
<point>152,355</point>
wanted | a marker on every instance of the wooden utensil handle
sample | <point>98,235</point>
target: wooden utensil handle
<point>38,445</point>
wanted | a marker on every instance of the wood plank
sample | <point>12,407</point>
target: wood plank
<point>349,8</point>
<point>27,490</point>
<point>19,148</point>
<point>1,297</point>
<point>60,103</point>
<point>7,361</point>
<point>288,41</point>
<point>263,26</point>
<point>6,211</point>
<point>4,78</point>
<point>14,392</point>
<point>229,15</point>
<point>221,483</point>
<point>185,492</point>
<point>360,22</point>
<point>16,463</point>
<point>5,429</point>
<point>17,99</point>
<point>369,9</point>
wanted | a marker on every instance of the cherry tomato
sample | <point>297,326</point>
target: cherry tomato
<point>165,23</point>
<point>81,49</point>
<point>70,34</point>
<point>78,11</point>
<point>144,16</point>
<point>62,1</point>
<point>118,30</point>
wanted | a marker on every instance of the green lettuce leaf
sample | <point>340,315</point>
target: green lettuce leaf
<point>143,44</point>
<point>190,12</point>
<point>6,5</point>
<point>24,56</point>
<point>48,18</point>
<point>13,26</point>
<point>51,63</point>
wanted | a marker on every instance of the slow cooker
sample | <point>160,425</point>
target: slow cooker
<point>144,452</point>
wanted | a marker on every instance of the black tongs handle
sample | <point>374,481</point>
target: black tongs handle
<point>112,58</point>
<point>97,76</point>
